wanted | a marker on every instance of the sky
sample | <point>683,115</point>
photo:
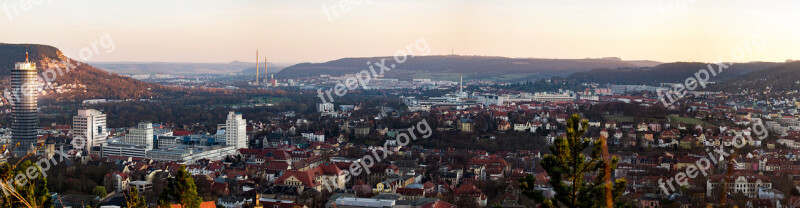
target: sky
<point>289,31</point>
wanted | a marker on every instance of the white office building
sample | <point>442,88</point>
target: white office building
<point>90,125</point>
<point>167,141</point>
<point>141,186</point>
<point>547,97</point>
<point>325,107</point>
<point>114,148</point>
<point>191,154</point>
<point>236,131</point>
<point>142,135</point>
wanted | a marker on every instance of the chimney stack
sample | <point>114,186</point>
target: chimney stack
<point>266,72</point>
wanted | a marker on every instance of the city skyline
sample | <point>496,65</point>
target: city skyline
<point>451,103</point>
<point>205,31</point>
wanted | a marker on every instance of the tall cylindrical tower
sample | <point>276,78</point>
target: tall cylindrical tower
<point>24,114</point>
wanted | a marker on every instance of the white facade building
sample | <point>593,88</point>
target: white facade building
<point>236,131</point>
<point>746,183</point>
<point>124,150</point>
<point>90,125</point>
<point>546,97</point>
<point>167,141</point>
<point>141,186</point>
<point>142,135</point>
<point>314,137</point>
<point>325,107</point>
<point>191,154</point>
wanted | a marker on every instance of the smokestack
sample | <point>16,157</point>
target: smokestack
<point>266,72</point>
<point>461,85</point>
<point>256,66</point>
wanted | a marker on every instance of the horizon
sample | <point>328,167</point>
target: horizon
<point>214,32</point>
<point>287,64</point>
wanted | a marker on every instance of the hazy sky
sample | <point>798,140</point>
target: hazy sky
<point>300,30</point>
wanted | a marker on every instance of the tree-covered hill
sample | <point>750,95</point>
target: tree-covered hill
<point>98,83</point>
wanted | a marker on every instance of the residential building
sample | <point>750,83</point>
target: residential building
<point>746,183</point>
<point>236,130</point>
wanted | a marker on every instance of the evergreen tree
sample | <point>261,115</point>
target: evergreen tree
<point>567,166</point>
<point>133,200</point>
<point>99,191</point>
<point>180,189</point>
<point>31,191</point>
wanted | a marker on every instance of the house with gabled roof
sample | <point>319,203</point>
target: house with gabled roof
<point>610,124</point>
<point>503,125</point>
<point>318,178</point>
<point>469,190</point>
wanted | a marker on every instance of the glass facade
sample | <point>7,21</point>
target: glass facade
<point>25,117</point>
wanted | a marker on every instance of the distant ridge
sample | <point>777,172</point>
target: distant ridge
<point>669,72</point>
<point>179,68</point>
<point>469,66</point>
<point>784,76</point>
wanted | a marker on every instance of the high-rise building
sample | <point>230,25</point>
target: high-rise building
<point>24,115</point>
<point>90,125</point>
<point>236,130</point>
<point>142,135</point>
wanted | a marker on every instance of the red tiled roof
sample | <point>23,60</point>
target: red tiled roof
<point>278,204</point>
<point>208,204</point>
<point>466,188</point>
<point>428,185</point>
<point>439,204</point>
<point>307,176</point>
<point>181,133</point>
<point>491,160</point>
<point>219,186</point>
<point>750,177</point>
<point>410,191</point>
